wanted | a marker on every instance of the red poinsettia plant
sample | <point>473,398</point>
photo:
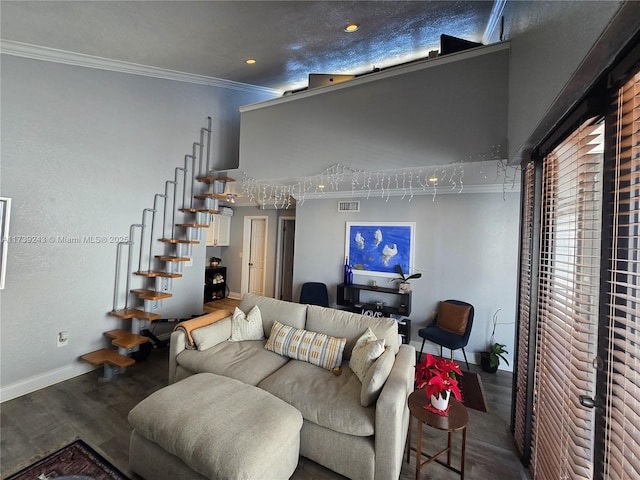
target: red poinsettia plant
<point>438,377</point>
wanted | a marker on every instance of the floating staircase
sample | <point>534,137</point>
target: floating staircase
<point>137,312</point>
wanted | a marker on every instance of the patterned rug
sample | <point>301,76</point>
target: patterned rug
<point>470,386</point>
<point>77,459</point>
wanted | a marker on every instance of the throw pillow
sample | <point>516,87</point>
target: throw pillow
<point>366,351</point>
<point>246,327</point>
<point>376,377</point>
<point>316,348</point>
<point>453,318</point>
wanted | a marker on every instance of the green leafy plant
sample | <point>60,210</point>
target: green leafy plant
<point>496,350</point>
<point>496,353</point>
<point>404,278</point>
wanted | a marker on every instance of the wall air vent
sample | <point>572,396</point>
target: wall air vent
<point>349,206</point>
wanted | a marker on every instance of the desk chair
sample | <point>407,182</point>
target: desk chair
<point>314,293</point>
<point>450,328</point>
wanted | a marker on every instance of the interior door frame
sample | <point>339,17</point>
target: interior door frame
<point>279,258</point>
<point>246,250</point>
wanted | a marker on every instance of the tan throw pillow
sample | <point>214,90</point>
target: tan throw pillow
<point>376,377</point>
<point>316,348</point>
<point>453,318</point>
<point>246,327</point>
<point>366,351</point>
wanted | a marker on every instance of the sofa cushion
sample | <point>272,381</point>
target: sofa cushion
<point>340,323</point>
<point>366,351</point>
<point>313,347</point>
<point>376,377</point>
<point>246,326</point>
<point>207,337</point>
<point>246,361</point>
<point>453,318</point>
<point>323,398</point>
<point>272,309</point>
<point>211,423</point>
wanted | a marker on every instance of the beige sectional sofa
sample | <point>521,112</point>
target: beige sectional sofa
<point>359,442</point>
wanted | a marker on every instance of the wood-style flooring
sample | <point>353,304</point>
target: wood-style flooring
<point>83,407</point>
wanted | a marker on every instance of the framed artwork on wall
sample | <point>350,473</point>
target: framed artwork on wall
<point>375,248</point>
<point>5,213</point>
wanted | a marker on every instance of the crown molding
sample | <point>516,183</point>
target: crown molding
<point>405,193</point>
<point>26,50</point>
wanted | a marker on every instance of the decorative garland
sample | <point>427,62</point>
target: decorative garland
<point>381,184</point>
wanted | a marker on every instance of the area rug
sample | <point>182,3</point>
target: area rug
<point>77,459</point>
<point>470,385</point>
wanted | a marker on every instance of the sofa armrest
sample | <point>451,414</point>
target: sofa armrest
<point>392,415</point>
<point>177,344</point>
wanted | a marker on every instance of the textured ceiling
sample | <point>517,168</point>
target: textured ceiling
<point>289,40</point>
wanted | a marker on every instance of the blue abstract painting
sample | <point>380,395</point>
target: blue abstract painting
<point>376,248</point>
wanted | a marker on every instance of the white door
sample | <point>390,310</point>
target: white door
<point>255,250</point>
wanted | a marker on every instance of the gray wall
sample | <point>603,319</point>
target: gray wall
<point>83,152</point>
<point>466,247</point>
<point>549,43</point>
<point>445,111</point>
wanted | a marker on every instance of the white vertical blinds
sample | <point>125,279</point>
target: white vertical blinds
<point>622,439</point>
<point>524,312</point>
<point>567,323</point>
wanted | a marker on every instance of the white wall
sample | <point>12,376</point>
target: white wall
<point>466,248</point>
<point>83,152</point>
<point>443,111</point>
<point>549,43</point>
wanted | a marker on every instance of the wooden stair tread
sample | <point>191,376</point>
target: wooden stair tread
<point>179,240</point>
<point>125,339</point>
<point>169,258</point>
<point>204,196</point>
<point>211,179</point>
<point>147,294</point>
<point>128,313</point>
<point>154,273</point>
<point>112,357</point>
<point>192,225</point>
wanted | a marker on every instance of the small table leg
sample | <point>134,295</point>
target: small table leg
<point>450,445</point>
<point>419,451</point>
<point>409,440</point>
<point>464,445</point>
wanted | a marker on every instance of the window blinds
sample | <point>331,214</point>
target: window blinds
<point>622,423</point>
<point>568,299</point>
<point>524,307</point>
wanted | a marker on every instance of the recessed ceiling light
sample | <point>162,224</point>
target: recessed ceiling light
<point>250,61</point>
<point>433,179</point>
<point>352,27</point>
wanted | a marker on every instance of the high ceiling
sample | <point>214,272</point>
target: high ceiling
<point>288,40</point>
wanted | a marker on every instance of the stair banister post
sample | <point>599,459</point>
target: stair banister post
<point>201,144</point>
<point>208,143</point>
<point>193,174</point>
<point>153,222</point>
<point>117,279</point>
<point>130,259</point>
<point>175,194</point>
<point>142,236</point>
<point>166,196</point>
<point>184,181</point>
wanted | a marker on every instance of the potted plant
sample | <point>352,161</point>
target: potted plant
<point>404,286</point>
<point>215,261</point>
<point>490,360</point>
<point>438,377</point>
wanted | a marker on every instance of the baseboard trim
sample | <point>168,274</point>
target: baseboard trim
<point>234,296</point>
<point>37,382</point>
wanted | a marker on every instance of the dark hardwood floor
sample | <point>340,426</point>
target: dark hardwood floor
<point>83,407</point>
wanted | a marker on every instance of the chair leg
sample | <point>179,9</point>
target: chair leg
<point>465,358</point>
<point>420,354</point>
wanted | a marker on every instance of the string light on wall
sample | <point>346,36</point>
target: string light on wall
<point>341,180</point>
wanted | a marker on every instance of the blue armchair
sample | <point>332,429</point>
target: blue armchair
<point>450,328</point>
<point>314,293</point>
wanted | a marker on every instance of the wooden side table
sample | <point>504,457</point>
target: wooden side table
<point>456,420</point>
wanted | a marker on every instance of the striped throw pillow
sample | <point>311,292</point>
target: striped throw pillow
<point>313,347</point>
